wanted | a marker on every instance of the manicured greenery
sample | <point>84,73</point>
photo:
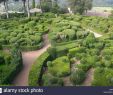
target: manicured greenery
<point>103,77</point>
<point>53,67</point>
<point>71,42</point>
<point>78,77</point>
<point>35,73</point>
<point>10,66</point>
<point>27,33</point>
<point>49,80</point>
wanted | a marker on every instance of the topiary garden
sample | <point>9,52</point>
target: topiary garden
<point>74,49</point>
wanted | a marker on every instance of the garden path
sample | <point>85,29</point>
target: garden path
<point>67,81</point>
<point>28,59</point>
<point>97,35</point>
<point>90,73</point>
<point>89,77</point>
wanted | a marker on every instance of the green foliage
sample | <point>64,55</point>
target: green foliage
<point>10,65</point>
<point>49,80</point>
<point>89,41</point>
<point>79,6</point>
<point>74,51</point>
<point>34,75</point>
<point>52,52</point>
<point>78,77</point>
<point>103,77</point>
<point>55,69</point>
<point>84,67</point>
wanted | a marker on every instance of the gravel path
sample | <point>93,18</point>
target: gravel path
<point>28,59</point>
<point>67,81</point>
<point>89,77</point>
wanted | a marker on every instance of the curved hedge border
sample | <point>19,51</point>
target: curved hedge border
<point>11,74</point>
<point>37,69</point>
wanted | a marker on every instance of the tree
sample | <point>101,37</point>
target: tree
<point>33,3</point>
<point>24,4</point>
<point>79,6</point>
<point>88,5</point>
<point>28,9</point>
<point>6,6</point>
<point>55,7</point>
<point>46,5</point>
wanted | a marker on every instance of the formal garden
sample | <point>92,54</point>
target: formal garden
<point>74,49</point>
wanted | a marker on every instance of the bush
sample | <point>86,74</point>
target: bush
<point>52,52</point>
<point>78,77</point>
<point>11,67</point>
<point>84,67</point>
<point>89,41</point>
<point>35,73</point>
<point>49,80</point>
<point>103,77</point>
<point>74,51</point>
<point>70,33</point>
<point>55,69</point>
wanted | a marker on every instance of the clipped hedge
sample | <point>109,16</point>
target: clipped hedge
<point>54,67</point>
<point>36,70</point>
<point>25,48</point>
<point>103,77</point>
<point>11,72</point>
<point>11,67</point>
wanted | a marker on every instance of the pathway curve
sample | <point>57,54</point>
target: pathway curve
<point>97,35</point>
<point>28,59</point>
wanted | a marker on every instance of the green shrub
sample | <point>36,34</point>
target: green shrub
<point>11,67</point>
<point>52,52</point>
<point>49,80</point>
<point>84,67</point>
<point>74,51</point>
<point>103,77</point>
<point>78,77</point>
<point>70,33</point>
<point>55,69</point>
<point>34,75</point>
<point>89,41</point>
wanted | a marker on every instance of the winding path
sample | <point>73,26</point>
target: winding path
<point>28,59</point>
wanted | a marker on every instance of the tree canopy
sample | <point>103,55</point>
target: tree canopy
<point>80,6</point>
